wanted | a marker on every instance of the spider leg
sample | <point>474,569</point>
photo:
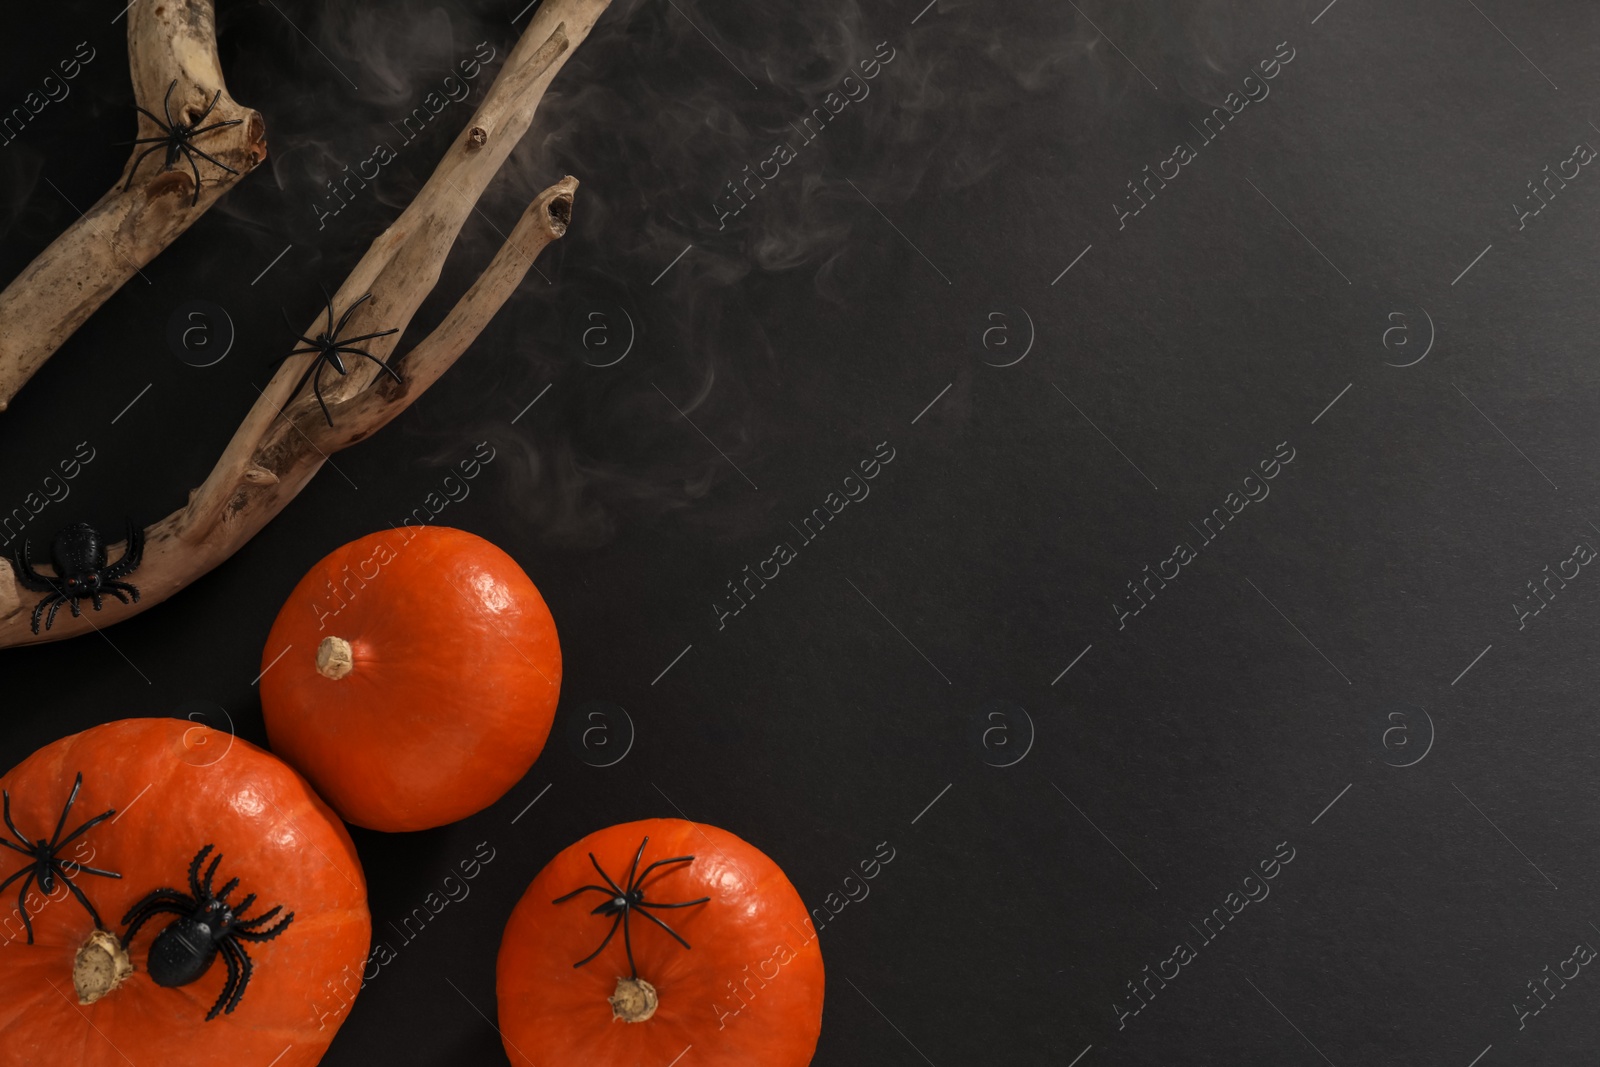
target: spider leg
<point>665,927</point>
<point>316,387</point>
<point>30,577</point>
<point>243,906</point>
<point>95,915</point>
<point>232,987</point>
<point>207,156</point>
<point>20,872</point>
<point>659,863</point>
<point>634,869</point>
<point>202,116</point>
<point>615,923</point>
<point>311,368</point>
<point>198,130</point>
<point>328,300</point>
<point>685,904</point>
<point>139,140</point>
<point>136,162</point>
<point>131,556</point>
<point>75,603</point>
<point>96,821</point>
<point>13,826</point>
<point>188,155</point>
<point>167,100</point>
<point>222,894</point>
<point>345,318</point>
<point>55,600</point>
<point>615,888</point>
<point>61,824</point>
<point>390,371</point>
<point>99,604</point>
<point>148,912</point>
<point>247,969</point>
<point>151,117</point>
<point>22,903</point>
<point>285,312</point>
<point>581,889</point>
<point>119,594</point>
<point>266,935</point>
<point>211,872</point>
<point>627,944</point>
<point>347,341</point>
<point>194,871</point>
<point>264,917</point>
<point>78,867</point>
<point>164,895</point>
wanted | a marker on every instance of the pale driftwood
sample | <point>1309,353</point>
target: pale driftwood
<point>284,441</point>
<point>173,40</point>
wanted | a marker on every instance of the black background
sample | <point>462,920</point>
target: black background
<point>847,306</point>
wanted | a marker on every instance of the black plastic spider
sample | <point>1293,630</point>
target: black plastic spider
<point>207,926</point>
<point>176,138</point>
<point>78,554</point>
<point>328,344</point>
<point>47,866</point>
<point>624,901</point>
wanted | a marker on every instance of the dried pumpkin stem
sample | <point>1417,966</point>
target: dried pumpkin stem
<point>101,965</point>
<point>634,1001</point>
<point>335,658</point>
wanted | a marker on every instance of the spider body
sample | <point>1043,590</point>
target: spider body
<point>78,554</point>
<point>208,926</point>
<point>624,902</point>
<point>331,349</point>
<point>178,139</point>
<point>47,865</point>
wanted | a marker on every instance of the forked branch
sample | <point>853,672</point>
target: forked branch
<point>285,438</point>
<point>177,79</point>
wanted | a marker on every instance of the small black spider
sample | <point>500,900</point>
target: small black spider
<point>207,925</point>
<point>624,901</point>
<point>79,556</point>
<point>327,345</point>
<point>47,866</point>
<point>176,137</point>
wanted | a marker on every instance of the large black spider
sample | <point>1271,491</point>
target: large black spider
<point>176,138</point>
<point>328,344</point>
<point>78,554</point>
<point>624,901</point>
<point>47,866</point>
<point>207,925</point>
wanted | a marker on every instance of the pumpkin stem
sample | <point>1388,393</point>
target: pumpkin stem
<point>634,1001</point>
<point>101,965</point>
<point>335,658</point>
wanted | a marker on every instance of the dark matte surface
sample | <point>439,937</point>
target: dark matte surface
<point>1360,617</point>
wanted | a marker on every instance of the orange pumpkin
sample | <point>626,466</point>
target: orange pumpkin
<point>748,991</point>
<point>418,677</point>
<point>176,787</point>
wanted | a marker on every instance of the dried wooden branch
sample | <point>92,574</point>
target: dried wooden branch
<point>285,439</point>
<point>171,41</point>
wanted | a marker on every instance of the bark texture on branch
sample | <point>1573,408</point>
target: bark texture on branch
<point>173,40</point>
<point>284,441</point>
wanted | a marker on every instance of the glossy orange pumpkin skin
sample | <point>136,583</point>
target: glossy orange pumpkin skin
<point>749,992</point>
<point>178,786</point>
<point>453,687</point>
